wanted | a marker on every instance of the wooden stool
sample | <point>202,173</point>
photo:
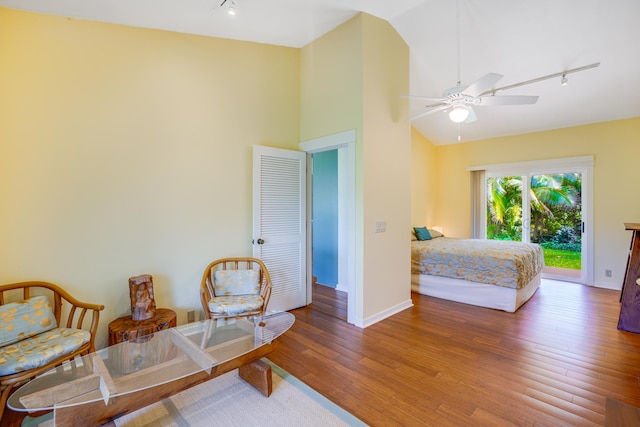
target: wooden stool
<point>125,328</point>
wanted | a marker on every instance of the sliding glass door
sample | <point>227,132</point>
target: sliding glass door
<point>543,208</point>
<point>505,208</point>
<point>556,222</point>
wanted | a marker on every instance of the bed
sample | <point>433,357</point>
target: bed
<point>501,275</point>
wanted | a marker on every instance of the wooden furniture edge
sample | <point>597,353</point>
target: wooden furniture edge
<point>195,353</point>
<point>97,413</point>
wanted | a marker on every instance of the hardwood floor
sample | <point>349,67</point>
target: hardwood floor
<point>329,301</point>
<point>552,363</point>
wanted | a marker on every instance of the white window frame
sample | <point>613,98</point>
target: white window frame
<point>582,164</point>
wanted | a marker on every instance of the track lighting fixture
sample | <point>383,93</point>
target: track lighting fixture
<point>564,80</point>
<point>232,8</point>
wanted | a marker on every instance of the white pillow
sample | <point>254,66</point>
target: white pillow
<point>435,233</point>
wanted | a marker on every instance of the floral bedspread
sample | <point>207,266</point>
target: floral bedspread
<point>501,263</point>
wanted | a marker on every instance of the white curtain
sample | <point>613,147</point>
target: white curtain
<point>478,204</point>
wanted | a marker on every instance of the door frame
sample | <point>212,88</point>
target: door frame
<point>345,143</point>
<point>581,164</point>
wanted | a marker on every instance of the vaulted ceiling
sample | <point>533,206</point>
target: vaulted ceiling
<point>449,41</point>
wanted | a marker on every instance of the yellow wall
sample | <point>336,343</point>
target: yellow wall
<point>615,148</point>
<point>386,157</point>
<point>126,151</point>
<point>331,102</point>
<point>331,82</point>
<point>423,181</point>
<point>352,78</point>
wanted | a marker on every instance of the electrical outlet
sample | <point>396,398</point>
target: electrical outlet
<point>607,273</point>
<point>191,316</point>
<point>381,227</point>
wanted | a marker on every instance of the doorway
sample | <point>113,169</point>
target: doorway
<point>344,144</point>
<point>327,296</point>
<point>324,217</point>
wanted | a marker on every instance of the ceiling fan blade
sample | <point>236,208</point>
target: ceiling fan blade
<point>507,100</point>
<point>482,85</point>
<point>439,107</point>
<point>421,98</point>
<point>439,104</point>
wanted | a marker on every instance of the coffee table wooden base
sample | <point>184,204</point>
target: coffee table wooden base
<point>258,374</point>
<point>251,368</point>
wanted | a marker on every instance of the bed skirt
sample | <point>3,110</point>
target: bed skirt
<point>474,293</point>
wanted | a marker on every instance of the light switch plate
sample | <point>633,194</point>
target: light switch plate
<point>381,227</point>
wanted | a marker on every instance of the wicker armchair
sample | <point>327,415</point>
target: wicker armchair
<point>74,315</point>
<point>235,287</point>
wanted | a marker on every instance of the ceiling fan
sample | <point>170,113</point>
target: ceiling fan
<point>461,99</point>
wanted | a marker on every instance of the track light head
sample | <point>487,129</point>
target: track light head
<point>232,8</point>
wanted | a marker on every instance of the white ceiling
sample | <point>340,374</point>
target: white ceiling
<point>517,38</point>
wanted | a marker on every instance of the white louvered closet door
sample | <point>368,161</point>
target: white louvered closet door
<point>279,218</point>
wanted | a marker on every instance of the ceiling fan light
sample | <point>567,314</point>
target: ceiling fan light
<point>459,114</point>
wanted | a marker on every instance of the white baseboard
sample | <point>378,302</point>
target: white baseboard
<point>341,288</point>
<point>607,285</point>
<point>384,314</point>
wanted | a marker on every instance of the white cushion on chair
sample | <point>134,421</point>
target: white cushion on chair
<point>236,282</point>
<point>235,304</point>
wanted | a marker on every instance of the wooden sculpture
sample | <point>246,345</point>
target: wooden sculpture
<point>143,306</point>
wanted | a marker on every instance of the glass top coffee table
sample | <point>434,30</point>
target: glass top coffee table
<point>122,378</point>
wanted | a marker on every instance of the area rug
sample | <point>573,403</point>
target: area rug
<point>229,401</point>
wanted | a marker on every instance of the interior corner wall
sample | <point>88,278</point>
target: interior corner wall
<point>126,151</point>
<point>386,157</point>
<point>615,148</point>
<point>352,78</point>
<point>423,181</point>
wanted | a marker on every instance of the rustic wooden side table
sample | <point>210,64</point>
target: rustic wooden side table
<point>125,329</point>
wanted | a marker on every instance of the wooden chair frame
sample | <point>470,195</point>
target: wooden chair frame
<point>207,290</point>
<point>76,315</point>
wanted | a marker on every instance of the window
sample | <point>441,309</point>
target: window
<point>545,202</point>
